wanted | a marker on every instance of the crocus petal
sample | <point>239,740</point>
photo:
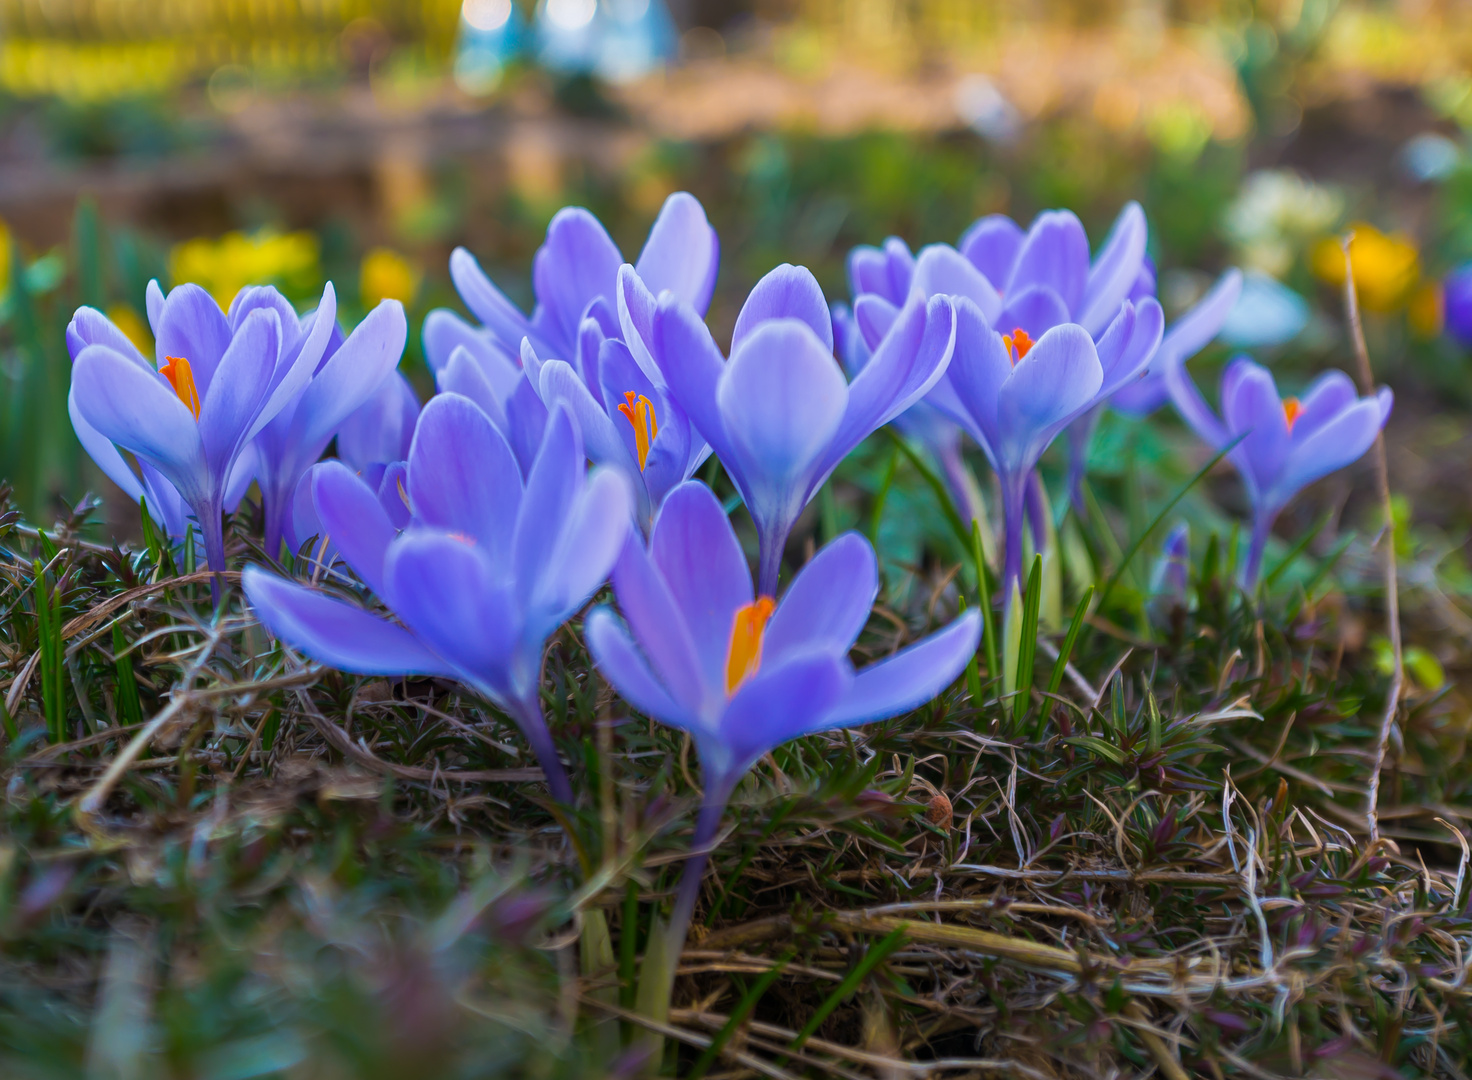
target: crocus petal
<point>701,562</point>
<point>1251,407</point>
<point>444,330</point>
<point>91,327</point>
<point>192,325</point>
<point>590,342</point>
<point>909,361</point>
<point>874,315</point>
<point>382,427</point>
<point>1136,338</point>
<point>464,375</point>
<point>245,469</point>
<point>636,307</point>
<point>293,369</point>
<point>351,515</point>
<point>444,588</point>
<point>868,271</point>
<point>909,678</point>
<point>587,545</point>
<point>486,302</point>
<point>978,369</point>
<point>991,245</point>
<point>1034,308</point>
<point>783,399</point>
<point>659,626</point>
<point>393,494</point>
<point>137,411</point>
<point>779,703</point>
<point>692,367</point>
<point>102,451</point>
<point>526,422</point>
<point>602,440</point>
<point>1194,330</point>
<point>828,603</point>
<point>1338,443</point>
<point>1115,270</point>
<point>336,633</point>
<point>788,292</point>
<point>618,377</point>
<point>1329,394</point>
<point>576,264</point>
<point>552,489</point>
<point>1056,254</point>
<point>621,663</point>
<point>153,304</point>
<point>462,475</point>
<point>355,371</point>
<point>1055,382</point>
<point>243,379</point>
<point>682,253</point>
<point>941,270</point>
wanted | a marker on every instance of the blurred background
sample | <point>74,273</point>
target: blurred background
<point>291,141</point>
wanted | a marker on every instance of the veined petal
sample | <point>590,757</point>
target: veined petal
<point>1114,272</point>
<point>779,703</point>
<point>603,442</point>
<point>941,270</point>
<point>587,546</point>
<point>1054,383</point>
<point>1333,445</point>
<point>979,367</point>
<point>660,629</point>
<point>1331,393</point>
<point>295,367</point>
<point>636,307</point>
<point>621,663</point>
<point>351,515</point>
<point>336,633</point>
<point>370,354</point>
<point>874,315</point>
<point>682,253</point>
<point>381,429</point>
<point>233,402</point>
<point>701,562</point>
<point>909,678</point>
<point>620,376</point>
<point>192,325</point>
<point>102,451</point>
<point>444,331</point>
<point>1035,308</point>
<point>868,272</point>
<point>526,423</point>
<point>1127,355</point>
<point>692,367</point>
<point>575,265</point>
<point>827,604</point>
<point>154,303</point>
<point>1251,407</point>
<point>782,399</point>
<point>485,301</point>
<point>991,245</point>
<point>137,411</point>
<point>552,489</point>
<point>446,592</point>
<point>91,327</point>
<point>462,475</point>
<point>788,292</point>
<point>1055,253</point>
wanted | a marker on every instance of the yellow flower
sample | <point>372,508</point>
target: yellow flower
<point>133,327</point>
<point>386,275</point>
<point>228,264</point>
<point>4,256</point>
<point>1424,312</point>
<point>1386,266</point>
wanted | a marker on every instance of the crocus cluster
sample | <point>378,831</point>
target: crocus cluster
<point>456,539</point>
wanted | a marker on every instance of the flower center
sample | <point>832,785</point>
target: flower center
<point>1292,410</point>
<point>181,378</point>
<point>744,657</point>
<point>1018,343</point>
<point>639,411</point>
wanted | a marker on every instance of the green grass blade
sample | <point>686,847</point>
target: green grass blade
<point>737,1018</point>
<point>1027,647</point>
<point>984,598</point>
<point>872,959</point>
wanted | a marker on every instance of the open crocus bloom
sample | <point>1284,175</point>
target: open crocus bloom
<point>1286,443</point>
<point>575,275</point>
<point>221,378</point>
<point>780,414</point>
<point>345,378</point>
<point>486,570</point>
<point>744,672</point>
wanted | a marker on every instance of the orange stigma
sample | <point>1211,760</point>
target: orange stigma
<point>640,413</point>
<point>1018,343</point>
<point>744,657</point>
<point>181,378</point>
<point>1292,410</point>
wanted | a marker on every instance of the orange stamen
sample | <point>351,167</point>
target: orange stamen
<point>181,378</point>
<point>640,413</point>
<point>1018,343</point>
<point>1292,410</point>
<point>744,657</point>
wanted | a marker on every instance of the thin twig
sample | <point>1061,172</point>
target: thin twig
<point>1392,596</point>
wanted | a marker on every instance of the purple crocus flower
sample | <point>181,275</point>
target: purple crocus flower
<point>780,414</point>
<point>1456,300</point>
<point>485,572</point>
<point>575,275</point>
<point>1285,443</point>
<point>345,378</point>
<point>744,672</point>
<point>221,379</point>
<point>1170,577</point>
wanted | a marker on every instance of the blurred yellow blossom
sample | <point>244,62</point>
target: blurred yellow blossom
<point>386,275</point>
<point>4,256</point>
<point>133,327</point>
<point>1386,266</point>
<point>228,264</point>
<point>1425,312</point>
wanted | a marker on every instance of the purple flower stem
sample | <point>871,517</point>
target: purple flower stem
<point>1014,491</point>
<point>528,716</point>
<point>1262,528</point>
<point>770,569</point>
<point>212,527</point>
<point>1080,437</point>
<point>706,827</point>
<point>1037,510</point>
<point>962,483</point>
